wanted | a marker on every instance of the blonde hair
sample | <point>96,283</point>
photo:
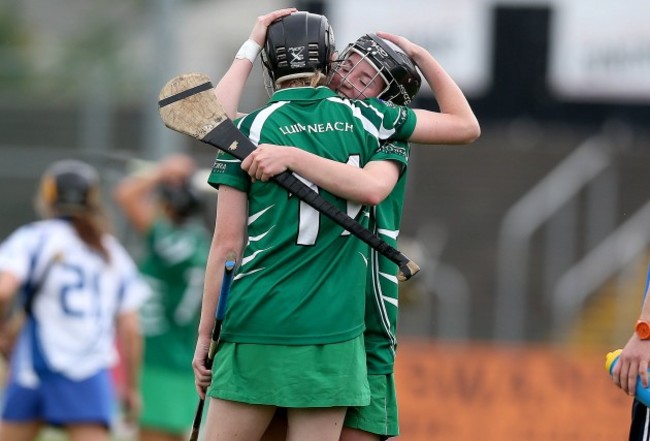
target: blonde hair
<point>309,79</point>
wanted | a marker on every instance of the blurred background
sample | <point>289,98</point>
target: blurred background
<point>533,241</point>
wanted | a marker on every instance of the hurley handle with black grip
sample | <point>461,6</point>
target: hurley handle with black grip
<point>188,105</point>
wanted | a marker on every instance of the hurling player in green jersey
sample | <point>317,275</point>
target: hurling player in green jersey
<point>292,335</point>
<point>391,59</point>
<point>162,206</point>
<point>309,227</point>
<point>375,67</point>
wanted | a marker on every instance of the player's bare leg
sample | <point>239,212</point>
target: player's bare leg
<point>19,431</point>
<point>277,429</point>
<point>88,432</point>
<point>229,420</point>
<point>349,434</point>
<point>315,424</point>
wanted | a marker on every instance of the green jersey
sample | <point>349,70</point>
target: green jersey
<point>174,265</point>
<point>382,289</point>
<point>302,277</point>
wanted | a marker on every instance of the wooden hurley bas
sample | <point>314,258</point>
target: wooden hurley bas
<point>188,105</point>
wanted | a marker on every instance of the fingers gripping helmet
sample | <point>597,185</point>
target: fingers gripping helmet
<point>69,186</point>
<point>297,45</point>
<point>395,67</point>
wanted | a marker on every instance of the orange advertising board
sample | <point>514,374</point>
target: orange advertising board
<point>466,392</point>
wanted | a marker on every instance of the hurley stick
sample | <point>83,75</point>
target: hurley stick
<point>188,105</point>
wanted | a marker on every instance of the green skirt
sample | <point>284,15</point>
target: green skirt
<point>380,417</point>
<point>326,375</point>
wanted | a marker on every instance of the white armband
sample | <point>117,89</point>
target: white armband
<point>248,51</point>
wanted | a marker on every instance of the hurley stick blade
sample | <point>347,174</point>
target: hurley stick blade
<point>188,105</point>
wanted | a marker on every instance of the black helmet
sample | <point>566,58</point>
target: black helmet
<point>395,67</point>
<point>181,198</point>
<point>69,186</point>
<point>297,45</point>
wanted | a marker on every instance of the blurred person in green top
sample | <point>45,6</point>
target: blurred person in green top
<point>160,204</point>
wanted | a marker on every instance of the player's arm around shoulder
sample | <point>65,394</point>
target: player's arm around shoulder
<point>456,122</point>
<point>368,185</point>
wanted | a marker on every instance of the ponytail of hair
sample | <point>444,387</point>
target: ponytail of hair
<point>90,230</point>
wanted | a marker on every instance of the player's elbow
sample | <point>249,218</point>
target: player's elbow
<point>366,199</point>
<point>225,244</point>
<point>470,132</point>
<point>464,132</point>
<point>381,177</point>
<point>375,195</point>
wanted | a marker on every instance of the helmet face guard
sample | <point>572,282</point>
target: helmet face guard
<point>398,72</point>
<point>297,46</point>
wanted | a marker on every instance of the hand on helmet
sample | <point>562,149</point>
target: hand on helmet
<point>258,34</point>
<point>411,49</point>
